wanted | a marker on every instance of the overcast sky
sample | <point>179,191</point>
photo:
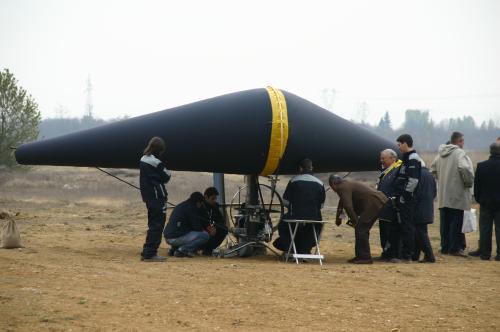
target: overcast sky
<point>144,56</point>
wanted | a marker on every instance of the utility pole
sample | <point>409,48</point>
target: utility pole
<point>89,106</point>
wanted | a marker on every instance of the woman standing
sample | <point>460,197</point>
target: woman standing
<point>153,178</point>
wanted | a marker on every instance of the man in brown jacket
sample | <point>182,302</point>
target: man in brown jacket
<point>362,205</point>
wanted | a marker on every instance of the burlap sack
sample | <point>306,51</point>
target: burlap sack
<point>11,238</point>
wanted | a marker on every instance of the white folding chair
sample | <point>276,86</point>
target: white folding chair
<point>317,255</point>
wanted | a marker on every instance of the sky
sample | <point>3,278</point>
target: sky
<point>359,59</point>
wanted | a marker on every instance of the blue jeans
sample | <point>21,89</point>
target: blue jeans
<point>189,242</point>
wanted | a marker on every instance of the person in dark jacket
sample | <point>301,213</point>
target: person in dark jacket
<point>153,177</point>
<point>405,186</point>
<point>214,221</point>
<point>426,193</point>
<point>362,205</point>
<point>185,230</point>
<point>487,194</point>
<point>304,197</point>
<point>388,223</point>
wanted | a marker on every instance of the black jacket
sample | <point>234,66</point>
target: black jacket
<point>153,177</point>
<point>386,185</point>
<point>185,217</point>
<point>304,196</point>
<point>408,177</point>
<point>426,193</point>
<point>212,214</point>
<point>487,182</point>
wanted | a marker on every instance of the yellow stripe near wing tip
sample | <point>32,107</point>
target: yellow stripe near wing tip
<point>279,131</point>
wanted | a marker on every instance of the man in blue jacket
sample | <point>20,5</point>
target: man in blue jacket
<point>184,230</point>
<point>388,222</point>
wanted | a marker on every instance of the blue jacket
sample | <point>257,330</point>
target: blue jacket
<point>408,177</point>
<point>426,193</point>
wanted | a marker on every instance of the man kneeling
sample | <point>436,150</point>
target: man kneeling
<point>214,222</point>
<point>184,230</point>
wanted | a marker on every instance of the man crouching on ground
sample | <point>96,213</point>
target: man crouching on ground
<point>215,223</point>
<point>184,230</point>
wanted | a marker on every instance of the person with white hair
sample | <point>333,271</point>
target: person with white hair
<point>388,222</point>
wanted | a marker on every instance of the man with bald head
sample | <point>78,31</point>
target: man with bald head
<point>389,228</point>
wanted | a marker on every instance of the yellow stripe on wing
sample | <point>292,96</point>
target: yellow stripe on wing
<point>279,131</point>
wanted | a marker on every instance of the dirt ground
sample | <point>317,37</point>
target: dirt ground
<point>80,270</point>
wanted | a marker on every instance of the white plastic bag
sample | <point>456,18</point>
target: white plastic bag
<point>470,221</point>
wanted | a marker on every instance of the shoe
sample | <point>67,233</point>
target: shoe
<point>459,253</point>
<point>155,258</point>
<point>395,260</point>
<point>485,258</point>
<point>406,261</point>
<point>425,260</point>
<point>475,253</point>
<point>182,253</point>
<point>363,261</point>
<point>497,258</point>
<point>352,260</point>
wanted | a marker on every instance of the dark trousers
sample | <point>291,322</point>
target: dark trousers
<point>487,217</point>
<point>390,239</point>
<point>362,234</point>
<point>394,242</point>
<point>156,222</point>
<point>214,241</point>
<point>422,243</point>
<point>385,231</point>
<point>452,238</point>
<point>407,229</point>
<point>304,238</point>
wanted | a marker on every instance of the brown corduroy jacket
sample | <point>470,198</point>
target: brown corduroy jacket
<point>358,199</point>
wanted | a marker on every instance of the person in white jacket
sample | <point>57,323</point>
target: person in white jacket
<point>454,172</point>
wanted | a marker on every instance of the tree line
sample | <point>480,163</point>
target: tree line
<point>428,135</point>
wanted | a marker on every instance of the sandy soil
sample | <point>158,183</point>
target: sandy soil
<point>80,270</point>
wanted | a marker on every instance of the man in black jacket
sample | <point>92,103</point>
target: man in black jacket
<point>388,222</point>
<point>487,193</point>
<point>406,183</point>
<point>184,230</point>
<point>153,177</point>
<point>426,193</point>
<point>214,221</point>
<point>304,197</point>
